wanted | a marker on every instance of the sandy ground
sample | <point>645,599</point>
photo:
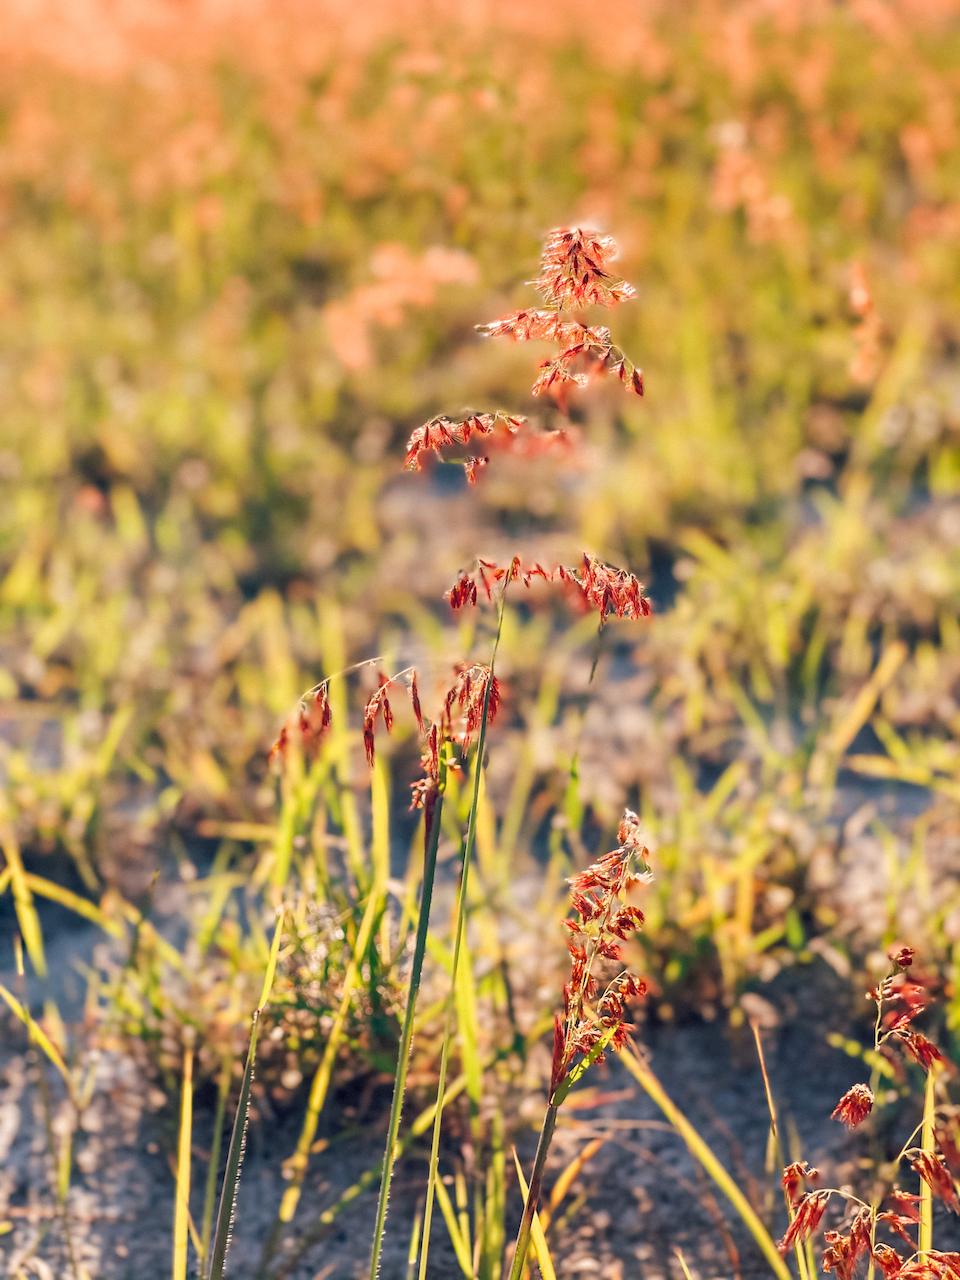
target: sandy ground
<point>644,1196</point>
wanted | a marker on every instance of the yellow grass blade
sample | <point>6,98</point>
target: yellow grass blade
<point>73,902</point>
<point>182,1204</point>
<point>272,962</point>
<point>537,1238</point>
<point>700,1151</point>
<point>38,1034</point>
<point>460,1247</point>
<point>563,1183</point>
<point>27,917</point>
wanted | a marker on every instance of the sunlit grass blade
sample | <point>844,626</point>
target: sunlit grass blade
<point>927,1143</point>
<point>468,845</point>
<point>537,1238</point>
<point>38,1035</point>
<point>182,1200</point>
<point>413,1252</point>
<point>461,1247</point>
<point>702,1152</point>
<point>26,912</point>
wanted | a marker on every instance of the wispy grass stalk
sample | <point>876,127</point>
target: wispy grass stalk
<point>231,1176</point>
<point>432,821</point>
<point>458,944</point>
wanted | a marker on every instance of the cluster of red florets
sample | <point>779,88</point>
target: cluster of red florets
<point>601,917</point>
<point>612,592</point>
<point>940,1170</point>
<point>573,275</point>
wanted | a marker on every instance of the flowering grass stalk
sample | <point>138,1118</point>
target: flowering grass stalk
<point>490,696</point>
<point>432,799</point>
<point>898,1000</point>
<point>589,1025</point>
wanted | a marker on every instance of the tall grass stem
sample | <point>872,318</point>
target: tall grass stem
<point>458,945</point>
<point>431,844</point>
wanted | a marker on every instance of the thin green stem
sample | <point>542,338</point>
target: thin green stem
<point>431,843</point>
<point>210,1196</point>
<point>457,946</point>
<point>533,1192</point>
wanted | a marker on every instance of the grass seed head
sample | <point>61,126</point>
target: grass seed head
<point>854,1107</point>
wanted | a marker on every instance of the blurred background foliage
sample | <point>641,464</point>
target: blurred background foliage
<point>242,252</point>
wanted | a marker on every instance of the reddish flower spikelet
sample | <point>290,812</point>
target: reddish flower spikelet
<point>596,896</point>
<point>309,722</point>
<point>794,1176</point>
<point>896,1222</point>
<point>903,957</point>
<point>378,703</point>
<point>612,592</point>
<point>906,1205</point>
<point>932,1265</point>
<point>854,1107</point>
<point>573,274</point>
<point>809,1210</point>
<point>888,1260</point>
<point>572,270</point>
<point>469,693</point>
<point>425,789</point>
<point>933,1170</point>
<point>924,1050</point>
<point>946,1134</point>
<point>441,431</point>
<point>840,1255</point>
<point>415,701</point>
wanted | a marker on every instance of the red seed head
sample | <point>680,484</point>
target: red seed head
<point>855,1105</point>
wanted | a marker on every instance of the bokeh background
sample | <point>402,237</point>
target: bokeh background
<point>243,248</point>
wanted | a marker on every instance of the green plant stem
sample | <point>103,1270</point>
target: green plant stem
<point>431,844</point>
<point>533,1193</point>
<point>457,947</point>
<point>210,1195</point>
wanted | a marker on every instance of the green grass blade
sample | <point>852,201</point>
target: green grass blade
<point>210,1193</point>
<point>231,1176</point>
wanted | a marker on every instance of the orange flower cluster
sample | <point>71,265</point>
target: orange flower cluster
<point>573,274</point>
<point>469,693</point>
<point>309,720</point>
<point>602,915</point>
<point>440,432</point>
<point>854,1107</point>
<point>610,591</point>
